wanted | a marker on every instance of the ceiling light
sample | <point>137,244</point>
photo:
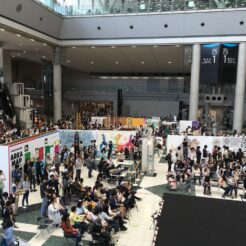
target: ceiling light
<point>92,62</point>
<point>68,61</point>
<point>32,39</point>
<point>142,62</point>
<point>169,62</point>
<point>93,47</point>
<point>2,29</point>
<point>43,57</point>
<point>18,35</point>
<point>116,62</point>
<point>177,45</point>
<point>45,44</point>
<point>73,47</point>
<point>18,54</point>
<point>133,46</point>
<point>20,44</point>
<point>113,47</point>
<point>155,46</point>
<point>24,52</point>
<point>36,49</point>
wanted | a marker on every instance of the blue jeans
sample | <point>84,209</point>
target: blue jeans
<point>44,206</point>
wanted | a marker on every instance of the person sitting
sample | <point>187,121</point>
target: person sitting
<point>77,187</point>
<point>99,232</point>
<point>77,221</point>
<point>70,231</point>
<point>54,213</point>
<point>80,209</point>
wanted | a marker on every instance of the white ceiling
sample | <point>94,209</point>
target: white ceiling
<point>103,59</point>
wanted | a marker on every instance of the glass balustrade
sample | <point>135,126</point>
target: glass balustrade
<point>115,7</point>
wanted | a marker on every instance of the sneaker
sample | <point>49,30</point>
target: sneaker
<point>23,206</point>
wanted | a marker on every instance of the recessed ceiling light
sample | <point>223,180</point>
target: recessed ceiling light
<point>2,29</point>
<point>116,62</point>
<point>169,62</point>
<point>20,44</point>
<point>18,35</point>
<point>133,46</point>
<point>92,62</point>
<point>93,47</point>
<point>36,49</point>
<point>43,57</point>
<point>113,47</point>
<point>45,44</point>
<point>177,45</point>
<point>68,61</point>
<point>73,47</point>
<point>18,54</point>
<point>142,62</point>
<point>13,56</point>
<point>155,46</point>
<point>24,52</point>
<point>32,39</point>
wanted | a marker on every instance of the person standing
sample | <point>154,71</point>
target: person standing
<point>169,160</point>
<point>2,180</point>
<point>90,163</point>
<point>78,166</point>
<point>43,194</point>
<point>31,177</point>
<point>26,188</point>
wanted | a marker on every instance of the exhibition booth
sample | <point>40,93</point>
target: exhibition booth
<point>17,152</point>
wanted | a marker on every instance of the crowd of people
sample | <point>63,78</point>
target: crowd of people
<point>190,166</point>
<point>66,201</point>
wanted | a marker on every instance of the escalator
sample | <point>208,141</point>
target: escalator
<point>7,108</point>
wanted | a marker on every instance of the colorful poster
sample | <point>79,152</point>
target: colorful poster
<point>120,139</point>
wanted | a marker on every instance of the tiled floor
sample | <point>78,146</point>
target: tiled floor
<point>140,230</point>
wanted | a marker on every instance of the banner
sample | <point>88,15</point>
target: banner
<point>228,63</point>
<point>234,143</point>
<point>30,148</point>
<point>210,62</point>
<point>120,139</point>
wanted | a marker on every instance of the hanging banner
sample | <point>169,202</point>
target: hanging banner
<point>228,63</point>
<point>210,62</point>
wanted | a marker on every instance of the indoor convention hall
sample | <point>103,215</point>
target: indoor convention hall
<point>122,122</point>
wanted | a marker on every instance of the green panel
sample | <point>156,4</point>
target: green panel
<point>27,156</point>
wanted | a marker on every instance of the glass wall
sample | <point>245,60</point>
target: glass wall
<point>105,7</point>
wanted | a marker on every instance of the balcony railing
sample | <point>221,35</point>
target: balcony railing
<point>116,7</point>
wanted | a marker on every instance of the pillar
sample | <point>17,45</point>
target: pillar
<point>194,81</point>
<point>57,83</point>
<point>240,89</point>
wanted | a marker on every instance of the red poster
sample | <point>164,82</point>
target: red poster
<point>41,153</point>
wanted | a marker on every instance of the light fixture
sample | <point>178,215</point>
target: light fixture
<point>18,54</point>
<point>92,62</point>
<point>32,39</point>
<point>36,49</point>
<point>155,46</point>
<point>20,44</point>
<point>93,47</point>
<point>18,35</point>
<point>169,62</point>
<point>43,57</point>
<point>73,47</point>
<point>45,44</point>
<point>24,52</point>
<point>113,47</point>
<point>142,62</point>
<point>177,45</point>
<point>68,61</point>
<point>133,46</point>
<point>2,29</point>
<point>116,62</point>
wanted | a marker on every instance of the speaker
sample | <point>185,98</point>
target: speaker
<point>119,102</point>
